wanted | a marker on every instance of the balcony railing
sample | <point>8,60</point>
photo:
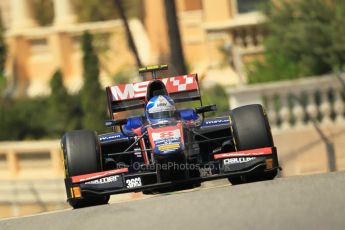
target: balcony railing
<point>297,103</point>
<point>30,159</point>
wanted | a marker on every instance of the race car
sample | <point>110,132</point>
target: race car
<point>165,146</point>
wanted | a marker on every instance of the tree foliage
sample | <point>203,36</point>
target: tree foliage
<point>50,117</point>
<point>215,94</point>
<point>92,96</point>
<point>86,10</point>
<point>95,10</point>
<point>305,38</point>
<point>3,53</point>
<point>43,11</point>
<point>63,111</point>
<point>42,117</point>
<point>23,119</point>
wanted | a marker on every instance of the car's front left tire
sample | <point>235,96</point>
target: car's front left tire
<point>82,155</point>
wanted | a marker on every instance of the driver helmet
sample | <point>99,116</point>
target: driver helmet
<point>160,109</point>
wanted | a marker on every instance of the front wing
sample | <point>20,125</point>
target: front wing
<point>133,180</point>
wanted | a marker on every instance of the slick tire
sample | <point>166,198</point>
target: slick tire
<point>82,155</point>
<point>251,130</point>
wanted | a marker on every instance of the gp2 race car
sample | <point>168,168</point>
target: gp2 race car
<point>164,148</point>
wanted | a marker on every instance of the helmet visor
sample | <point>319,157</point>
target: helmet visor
<point>162,115</point>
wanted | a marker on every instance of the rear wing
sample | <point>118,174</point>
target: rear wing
<point>132,96</point>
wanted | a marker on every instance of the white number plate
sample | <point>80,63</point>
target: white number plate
<point>133,182</point>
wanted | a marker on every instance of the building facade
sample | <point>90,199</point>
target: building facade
<point>218,38</point>
<point>215,34</point>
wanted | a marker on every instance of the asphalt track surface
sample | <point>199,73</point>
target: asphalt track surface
<point>304,202</point>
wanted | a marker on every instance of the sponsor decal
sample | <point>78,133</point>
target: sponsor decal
<point>216,122</point>
<point>104,180</point>
<point>162,101</point>
<point>137,152</point>
<point>169,147</point>
<point>166,135</point>
<point>91,176</point>
<point>133,182</point>
<point>110,137</point>
<point>161,105</point>
<point>251,152</point>
<point>138,90</point>
<point>129,91</point>
<point>237,160</point>
<point>166,139</point>
<point>205,172</point>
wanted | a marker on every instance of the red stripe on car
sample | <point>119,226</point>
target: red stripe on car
<point>251,152</point>
<point>96,175</point>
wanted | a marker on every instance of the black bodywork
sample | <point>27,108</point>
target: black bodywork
<point>202,143</point>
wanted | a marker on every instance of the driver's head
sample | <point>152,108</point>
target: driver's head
<point>160,109</point>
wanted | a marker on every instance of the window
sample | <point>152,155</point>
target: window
<point>39,45</point>
<point>191,5</point>
<point>245,6</point>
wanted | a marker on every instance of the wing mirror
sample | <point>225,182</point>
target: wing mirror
<point>111,123</point>
<point>206,108</point>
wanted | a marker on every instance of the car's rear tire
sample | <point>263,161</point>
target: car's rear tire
<point>82,156</point>
<point>251,130</point>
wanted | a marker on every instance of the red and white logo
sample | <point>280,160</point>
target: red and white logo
<point>129,91</point>
<point>138,90</point>
<point>182,83</point>
<point>166,134</point>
